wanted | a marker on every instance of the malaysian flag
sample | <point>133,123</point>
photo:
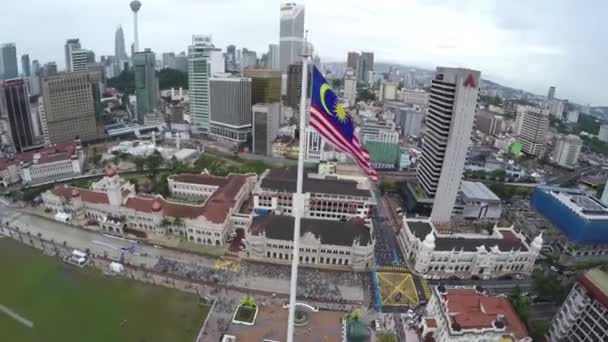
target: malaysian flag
<point>328,117</point>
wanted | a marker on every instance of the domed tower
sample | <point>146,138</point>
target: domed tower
<point>425,251</point>
<point>537,243</point>
<point>135,6</point>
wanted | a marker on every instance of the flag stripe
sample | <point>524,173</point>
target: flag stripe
<point>327,130</point>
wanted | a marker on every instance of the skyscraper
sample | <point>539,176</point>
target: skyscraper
<point>72,106</point>
<point>449,123</point>
<point>120,51</point>
<point>146,83</point>
<point>531,125</point>
<point>70,44</point>
<point>272,58</point>
<point>352,60</point>
<point>230,108</point>
<point>199,72</point>
<point>294,85</point>
<point>265,85</point>
<point>231,58</point>
<point>25,65</point>
<point>80,59</point>
<point>8,61</point>
<point>551,94</point>
<point>168,60</point>
<point>291,34</point>
<point>366,64</point>
<point>265,127</point>
<point>181,62</point>
<point>567,150</point>
<point>248,59</point>
<point>15,104</point>
<point>49,69</point>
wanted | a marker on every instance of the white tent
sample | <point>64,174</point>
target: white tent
<point>116,267</point>
<point>62,217</point>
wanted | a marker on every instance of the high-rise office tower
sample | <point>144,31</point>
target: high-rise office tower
<point>146,83</point>
<point>135,6</point>
<point>272,57</point>
<point>291,34</point>
<point>350,88</point>
<point>168,60</point>
<point>294,85</point>
<point>231,58</point>
<point>35,80</point>
<point>453,103</point>
<point>352,60</point>
<point>72,106</point>
<point>15,104</point>
<point>248,59</point>
<point>366,64</point>
<point>567,150</point>
<point>70,44</point>
<point>230,108</point>
<point>8,61</point>
<point>80,59</point>
<point>25,65</point>
<point>531,125</point>
<point>265,85</point>
<point>120,51</point>
<point>201,66</point>
<point>583,316</point>
<point>266,117</point>
<point>551,94</point>
<point>49,69</point>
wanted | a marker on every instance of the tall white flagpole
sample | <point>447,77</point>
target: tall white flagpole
<point>298,197</point>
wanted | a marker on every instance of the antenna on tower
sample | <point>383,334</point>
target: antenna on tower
<point>306,48</point>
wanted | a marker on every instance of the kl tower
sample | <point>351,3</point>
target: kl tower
<point>135,6</point>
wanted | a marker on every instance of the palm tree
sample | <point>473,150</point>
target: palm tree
<point>179,222</point>
<point>355,315</point>
<point>248,301</point>
<point>165,222</point>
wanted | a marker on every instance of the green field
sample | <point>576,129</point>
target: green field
<point>68,304</point>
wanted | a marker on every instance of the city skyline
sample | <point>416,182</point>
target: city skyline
<point>507,41</point>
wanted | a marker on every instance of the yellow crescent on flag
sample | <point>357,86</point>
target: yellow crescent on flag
<point>324,88</point>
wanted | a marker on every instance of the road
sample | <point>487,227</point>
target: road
<point>494,286</point>
<point>149,255</point>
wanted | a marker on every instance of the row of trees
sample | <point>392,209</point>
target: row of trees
<point>167,78</point>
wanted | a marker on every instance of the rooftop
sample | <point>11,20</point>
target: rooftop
<point>48,154</point>
<point>508,240</point>
<point>472,310</point>
<point>335,233</point>
<point>578,201</point>
<point>595,281</point>
<point>477,191</point>
<point>283,179</point>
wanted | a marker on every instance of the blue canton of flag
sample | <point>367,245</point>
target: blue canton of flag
<point>328,117</point>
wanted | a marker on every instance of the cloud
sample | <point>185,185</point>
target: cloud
<point>529,44</point>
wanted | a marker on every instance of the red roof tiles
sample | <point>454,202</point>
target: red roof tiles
<point>472,310</point>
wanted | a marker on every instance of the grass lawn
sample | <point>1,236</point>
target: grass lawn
<point>68,304</point>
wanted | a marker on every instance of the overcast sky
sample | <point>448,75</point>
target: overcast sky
<point>529,44</point>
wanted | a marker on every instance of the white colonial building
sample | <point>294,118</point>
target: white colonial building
<point>113,204</point>
<point>442,255</point>
<point>467,314</point>
<point>53,162</point>
<point>323,242</point>
<point>325,197</point>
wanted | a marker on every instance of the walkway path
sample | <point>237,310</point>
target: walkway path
<point>16,316</point>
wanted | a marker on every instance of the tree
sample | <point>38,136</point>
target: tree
<point>248,301</point>
<point>366,95</point>
<point>124,82</point>
<point>521,303</point>
<point>139,163</point>
<point>178,222</point>
<point>538,329</point>
<point>172,78</point>
<point>153,162</point>
<point>165,222</point>
<point>548,286</point>
<point>355,315</point>
<point>387,337</point>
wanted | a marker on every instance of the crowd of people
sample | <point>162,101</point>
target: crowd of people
<point>386,250</point>
<point>314,284</point>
